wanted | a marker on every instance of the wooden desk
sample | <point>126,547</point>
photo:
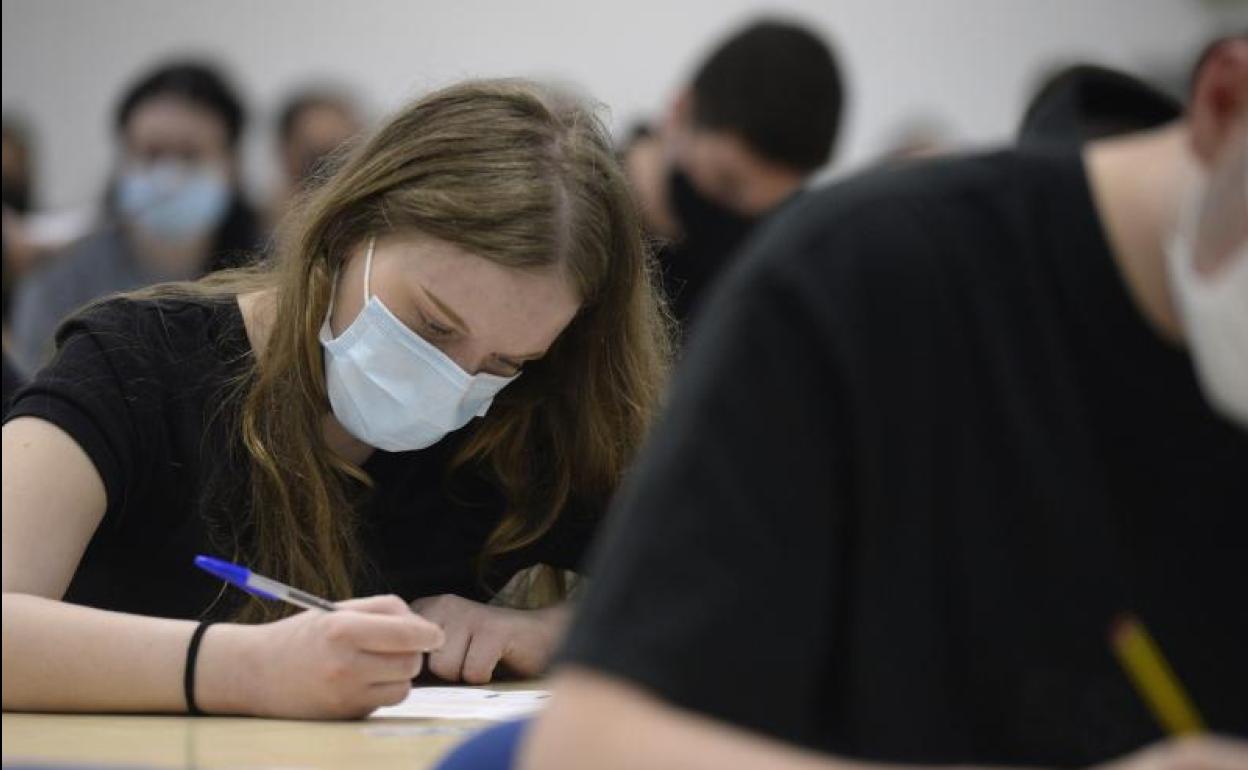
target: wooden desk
<point>216,742</point>
<point>212,743</point>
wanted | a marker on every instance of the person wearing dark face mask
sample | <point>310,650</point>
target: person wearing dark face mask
<point>709,233</point>
<point>759,116</point>
<point>174,208</point>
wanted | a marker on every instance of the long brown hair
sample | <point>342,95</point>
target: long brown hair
<point>511,172</point>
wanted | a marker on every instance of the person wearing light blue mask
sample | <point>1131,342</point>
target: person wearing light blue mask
<point>431,390</point>
<point>173,212</point>
<point>393,389</point>
<point>173,202</point>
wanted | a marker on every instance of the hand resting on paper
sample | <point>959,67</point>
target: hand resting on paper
<point>479,637</point>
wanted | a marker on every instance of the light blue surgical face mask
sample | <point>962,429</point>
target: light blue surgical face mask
<point>174,202</point>
<point>391,388</point>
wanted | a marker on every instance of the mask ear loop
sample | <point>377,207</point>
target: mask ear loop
<point>368,267</point>
<point>368,273</point>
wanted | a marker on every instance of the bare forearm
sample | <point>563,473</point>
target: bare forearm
<point>64,657</point>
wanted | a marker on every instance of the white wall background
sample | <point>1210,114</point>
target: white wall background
<point>970,63</point>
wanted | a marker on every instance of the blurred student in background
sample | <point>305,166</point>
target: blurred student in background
<point>13,377</point>
<point>11,271</point>
<point>947,422</point>
<point>437,382</point>
<point>32,231</point>
<point>15,166</point>
<point>17,254</point>
<point>16,163</point>
<point>311,125</point>
<point>174,208</point>
<point>759,116</point>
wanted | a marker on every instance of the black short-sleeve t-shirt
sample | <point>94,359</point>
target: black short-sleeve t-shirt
<point>150,390</point>
<point>921,454</point>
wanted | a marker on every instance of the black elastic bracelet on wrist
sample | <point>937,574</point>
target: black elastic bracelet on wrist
<point>188,677</point>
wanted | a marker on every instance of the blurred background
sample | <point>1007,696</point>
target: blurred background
<point>961,67</point>
<point>155,140</point>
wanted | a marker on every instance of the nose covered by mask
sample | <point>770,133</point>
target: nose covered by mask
<point>1214,311</point>
<point>172,201</point>
<point>391,388</point>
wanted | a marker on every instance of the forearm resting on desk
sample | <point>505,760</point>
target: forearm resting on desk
<point>65,657</point>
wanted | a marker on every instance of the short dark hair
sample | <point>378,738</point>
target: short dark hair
<point>306,99</point>
<point>1083,102</point>
<point>196,82</point>
<point>778,86</point>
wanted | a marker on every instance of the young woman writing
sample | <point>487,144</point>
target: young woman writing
<point>436,381</point>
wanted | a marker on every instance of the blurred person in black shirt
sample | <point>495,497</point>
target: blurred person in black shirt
<point>940,428</point>
<point>758,117</point>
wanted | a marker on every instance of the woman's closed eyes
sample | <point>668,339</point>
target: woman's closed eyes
<point>439,332</point>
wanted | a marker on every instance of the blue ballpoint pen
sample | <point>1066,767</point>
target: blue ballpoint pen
<point>258,585</point>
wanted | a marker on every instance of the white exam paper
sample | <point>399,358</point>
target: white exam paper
<point>464,703</point>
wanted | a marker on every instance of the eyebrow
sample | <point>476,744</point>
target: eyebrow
<point>451,315</point>
<point>459,322</point>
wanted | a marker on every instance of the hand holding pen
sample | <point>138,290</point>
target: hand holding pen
<point>335,661</point>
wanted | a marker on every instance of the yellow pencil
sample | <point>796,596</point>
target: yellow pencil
<point>1153,677</point>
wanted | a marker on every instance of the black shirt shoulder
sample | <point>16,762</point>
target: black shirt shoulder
<point>125,368</point>
<point>166,329</point>
<point>892,223</point>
